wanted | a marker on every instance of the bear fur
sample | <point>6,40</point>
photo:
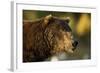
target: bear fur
<point>45,37</point>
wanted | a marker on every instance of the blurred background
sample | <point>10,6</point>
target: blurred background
<point>81,28</point>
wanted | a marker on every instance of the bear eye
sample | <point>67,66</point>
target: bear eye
<point>65,26</point>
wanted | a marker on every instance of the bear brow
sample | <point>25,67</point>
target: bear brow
<point>64,25</point>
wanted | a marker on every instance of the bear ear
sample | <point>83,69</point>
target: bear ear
<point>47,19</point>
<point>67,19</point>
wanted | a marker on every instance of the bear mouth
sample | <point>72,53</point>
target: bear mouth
<point>71,50</point>
<point>74,49</point>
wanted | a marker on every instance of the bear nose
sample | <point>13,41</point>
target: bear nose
<point>75,44</point>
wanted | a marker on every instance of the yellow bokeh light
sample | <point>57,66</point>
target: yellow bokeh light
<point>83,25</point>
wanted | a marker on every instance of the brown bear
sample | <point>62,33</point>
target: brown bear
<point>46,37</point>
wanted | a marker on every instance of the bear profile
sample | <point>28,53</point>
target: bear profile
<point>45,37</point>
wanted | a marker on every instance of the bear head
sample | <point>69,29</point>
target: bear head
<point>59,34</point>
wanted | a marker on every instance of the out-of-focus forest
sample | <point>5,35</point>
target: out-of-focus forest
<point>81,27</point>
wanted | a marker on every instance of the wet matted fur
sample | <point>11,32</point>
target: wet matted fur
<point>45,37</point>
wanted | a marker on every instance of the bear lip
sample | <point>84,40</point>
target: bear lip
<point>70,51</point>
<point>73,49</point>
